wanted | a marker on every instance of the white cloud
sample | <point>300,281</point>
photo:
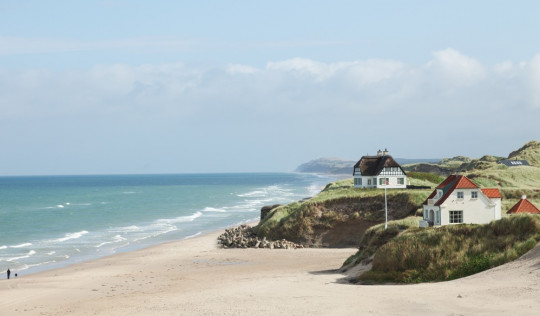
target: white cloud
<point>294,103</point>
<point>454,68</point>
<point>533,81</point>
<point>290,86</point>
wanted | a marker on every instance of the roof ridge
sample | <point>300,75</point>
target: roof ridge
<point>523,206</point>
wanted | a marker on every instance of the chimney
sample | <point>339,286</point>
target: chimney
<point>523,197</point>
<point>379,153</point>
<point>385,153</point>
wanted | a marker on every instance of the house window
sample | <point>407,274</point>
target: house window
<point>474,195</point>
<point>400,181</point>
<point>460,195</point>
<point>456,217</point>
<point>357,181</point>
<point>369,182</point>
<point>384,181</point>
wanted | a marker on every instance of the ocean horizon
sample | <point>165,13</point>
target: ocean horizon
<point>48,222</point>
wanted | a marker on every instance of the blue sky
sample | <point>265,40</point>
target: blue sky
<point>95,87</point>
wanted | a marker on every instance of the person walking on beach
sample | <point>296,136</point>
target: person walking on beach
<point>8,273</point>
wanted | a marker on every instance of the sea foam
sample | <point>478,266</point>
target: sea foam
<point>70,236</point>
<point>21,245</point>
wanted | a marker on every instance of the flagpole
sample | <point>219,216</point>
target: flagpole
<point>385,209</point>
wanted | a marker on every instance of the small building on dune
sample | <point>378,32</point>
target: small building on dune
<point>380,171</point>
<point>459,200</point>
<point>523,206</point>
<point>513,162</point>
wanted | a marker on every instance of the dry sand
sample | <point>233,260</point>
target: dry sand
<point>195,277</point>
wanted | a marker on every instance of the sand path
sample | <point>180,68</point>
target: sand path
<point>195,277</point>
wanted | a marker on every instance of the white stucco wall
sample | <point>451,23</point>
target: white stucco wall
<point>479,210</point>
<point>392,182</point>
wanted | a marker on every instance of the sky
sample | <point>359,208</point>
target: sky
<point>121,87</point>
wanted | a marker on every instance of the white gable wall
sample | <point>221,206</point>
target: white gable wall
<point>480,210</point>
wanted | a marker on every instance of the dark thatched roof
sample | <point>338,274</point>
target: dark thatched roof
<point>373,165</point>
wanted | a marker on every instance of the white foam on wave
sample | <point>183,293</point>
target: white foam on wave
<point>70,236</point>
<point>257,193</point>
<point>127,229</point>
<point>3,247</point>
<point>129,192</point>
<point>165,228</point>
<point>28,255</point>
<point>194,235</point>
<point>36,265</point>
<point>215,210</point>
<point>60,206</point>
<point>116,239</point>
<point>181,219</point>
<point>314,189</point>
<point>21,245</point>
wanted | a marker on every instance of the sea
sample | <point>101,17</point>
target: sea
<point>47,222</point>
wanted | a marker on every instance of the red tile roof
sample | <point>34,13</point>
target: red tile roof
<point>523,206</point>
<point>447,181</point>
<point>492,193</point>
<point>449,184</point>
<point>465,183</point>
<point>460,182</point>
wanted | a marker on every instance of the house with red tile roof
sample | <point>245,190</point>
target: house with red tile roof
<point>459,200</point>
<point>523,206</point>
<point>380,171</point>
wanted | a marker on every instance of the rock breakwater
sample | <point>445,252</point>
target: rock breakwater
<point>244,236</point>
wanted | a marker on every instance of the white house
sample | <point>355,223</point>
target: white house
<point>459,200</point>
<point>378,172</point>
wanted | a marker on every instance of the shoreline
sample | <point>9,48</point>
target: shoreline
<point>196,277</point>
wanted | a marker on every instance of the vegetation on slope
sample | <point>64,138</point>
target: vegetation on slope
<point>513,182</point>
<point>376,236</point>
<point>339,214</point>
<point>445,253</point>
<point>530,152</point>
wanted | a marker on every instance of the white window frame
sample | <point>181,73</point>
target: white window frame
<point>455,217</point>
<point>474,194</point>
<point>460,194</point>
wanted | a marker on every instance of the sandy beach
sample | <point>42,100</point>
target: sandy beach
<point>196,277</point>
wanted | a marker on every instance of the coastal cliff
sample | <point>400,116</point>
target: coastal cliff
<point>338,215</point>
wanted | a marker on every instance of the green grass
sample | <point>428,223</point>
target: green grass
<point>376,236</point>
<point>454,251</point>
<point>338,203</point>
<point>424,179</point>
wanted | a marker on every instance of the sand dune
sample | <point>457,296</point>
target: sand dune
<point>195,277</point>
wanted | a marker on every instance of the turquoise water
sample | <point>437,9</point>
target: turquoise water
<point>52,221</point>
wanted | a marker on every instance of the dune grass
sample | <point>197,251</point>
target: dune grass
<point>376,236</point>
<point>450,252</point>
<point>339,202</point>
